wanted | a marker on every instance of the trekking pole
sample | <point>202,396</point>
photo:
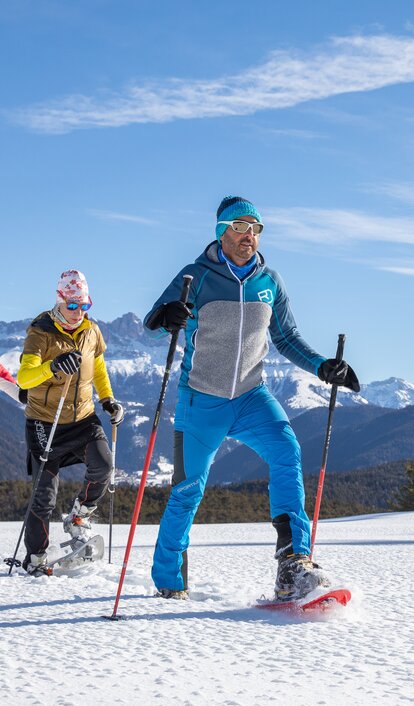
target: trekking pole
<point>111,490</point>
<point>332,401</point>
<point>170,357</point>
<point>12,561</point>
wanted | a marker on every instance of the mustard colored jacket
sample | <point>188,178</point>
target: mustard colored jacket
<point>44,341</point>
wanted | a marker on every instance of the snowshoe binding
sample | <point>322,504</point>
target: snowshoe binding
<point>36,565</point>
<point>78,523</point>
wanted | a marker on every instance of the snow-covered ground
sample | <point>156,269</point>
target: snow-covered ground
<point>215,649</point>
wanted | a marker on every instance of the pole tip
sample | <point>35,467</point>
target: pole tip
<point>114,617</point>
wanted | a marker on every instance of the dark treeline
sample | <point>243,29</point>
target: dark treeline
<point>352,493</point>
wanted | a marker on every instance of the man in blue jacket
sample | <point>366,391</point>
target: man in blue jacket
<point>235,300</point>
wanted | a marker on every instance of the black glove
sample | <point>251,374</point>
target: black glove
<point>115,409</point>
<point>172,316</point>
<point>68,363</point>
<point>336,373</point>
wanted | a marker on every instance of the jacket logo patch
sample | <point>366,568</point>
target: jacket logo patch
<point>266,296</point>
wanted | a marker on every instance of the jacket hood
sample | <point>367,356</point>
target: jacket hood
<point>43,321</point>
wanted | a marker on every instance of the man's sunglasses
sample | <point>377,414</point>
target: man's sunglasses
<point>244,226</point>
<point>72,306</point>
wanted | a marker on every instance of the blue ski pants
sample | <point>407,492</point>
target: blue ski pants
<point>257,420</point>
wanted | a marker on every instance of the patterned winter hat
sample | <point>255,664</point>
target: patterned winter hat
<point>72,286</point>
<point>233,207</point>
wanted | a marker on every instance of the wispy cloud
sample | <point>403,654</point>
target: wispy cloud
<point>403,191</point>
<point>335,227</point>
<point>287,78</point>
<point>293,133</point>
<point>114,216</point>
<point>398,270</point>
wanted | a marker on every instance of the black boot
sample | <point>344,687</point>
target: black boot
<point>297,574</point>
<point>169,593</point>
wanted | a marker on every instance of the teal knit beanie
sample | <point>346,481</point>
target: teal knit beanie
<point>231,208</point>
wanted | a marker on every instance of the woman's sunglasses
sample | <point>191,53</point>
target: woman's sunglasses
<point>72,306</point>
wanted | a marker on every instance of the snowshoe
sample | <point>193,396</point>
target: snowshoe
<point>80,552</point>
<point>322,603</point>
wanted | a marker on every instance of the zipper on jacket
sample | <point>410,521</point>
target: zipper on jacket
<point>239,349</point>
<point>240,346</point>
<point>75,399</point>
<point>47,393</point>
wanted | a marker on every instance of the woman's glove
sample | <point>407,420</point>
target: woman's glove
<point>115,409</point>
<point>67,363</point>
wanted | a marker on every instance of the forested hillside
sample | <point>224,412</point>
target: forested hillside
<point>348,493</point>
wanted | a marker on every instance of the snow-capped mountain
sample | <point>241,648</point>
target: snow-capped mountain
<point>136,365</point>
<point>394,392</point>
<point>135,359</point>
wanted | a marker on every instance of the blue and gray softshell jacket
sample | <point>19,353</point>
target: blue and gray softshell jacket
<point>227,340</point>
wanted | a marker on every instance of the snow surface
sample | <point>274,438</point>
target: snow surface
<point>215,649</point>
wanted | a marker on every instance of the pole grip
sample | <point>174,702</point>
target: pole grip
<point>340,349</point>
<point>186,288</point>
<point>66,386</point>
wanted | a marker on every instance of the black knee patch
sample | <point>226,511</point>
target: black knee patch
<point>179,472</point>
<point>281,523</point>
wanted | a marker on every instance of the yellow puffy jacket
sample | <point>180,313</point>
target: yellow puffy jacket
<point>45,340</point>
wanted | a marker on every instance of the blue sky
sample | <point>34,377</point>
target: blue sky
<point>124,123</point>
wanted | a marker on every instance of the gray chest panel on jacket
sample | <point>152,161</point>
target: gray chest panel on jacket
<point>230,344</point>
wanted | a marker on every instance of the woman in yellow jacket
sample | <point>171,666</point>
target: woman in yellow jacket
<point>64,342</point>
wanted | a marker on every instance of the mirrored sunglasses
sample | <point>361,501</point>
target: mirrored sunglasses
<point>244,226</point>
<point>72,306</point>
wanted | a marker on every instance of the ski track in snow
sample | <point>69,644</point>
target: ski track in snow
<point>215,649</point>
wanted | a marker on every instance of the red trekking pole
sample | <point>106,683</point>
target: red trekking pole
<point>170,357</point>
<point>332,401</point>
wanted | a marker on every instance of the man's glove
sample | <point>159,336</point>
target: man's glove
<point>336,373</point>
<point>68,363</point>
<point>172,316</point>
<point>115,409</point>
<point>176,315</point>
